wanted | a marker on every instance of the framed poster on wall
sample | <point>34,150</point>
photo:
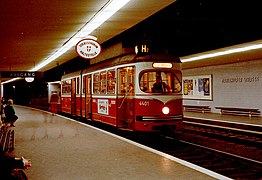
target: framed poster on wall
<point>198,87</point>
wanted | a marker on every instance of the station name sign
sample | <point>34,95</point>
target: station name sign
<point>14,74</point>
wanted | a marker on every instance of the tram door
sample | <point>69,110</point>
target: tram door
<point>88,96</point>
<point>73,97</point>
<point>125,97</point>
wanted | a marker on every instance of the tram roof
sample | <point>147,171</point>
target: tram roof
<point>125,59</point>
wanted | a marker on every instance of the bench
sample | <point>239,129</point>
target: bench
<point>7,138</point>
<point>197,108</point>
<point>239,111</point>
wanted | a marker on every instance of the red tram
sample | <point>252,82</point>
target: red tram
<point>121,92</point>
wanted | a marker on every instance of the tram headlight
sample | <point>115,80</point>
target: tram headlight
<point>165,110</point>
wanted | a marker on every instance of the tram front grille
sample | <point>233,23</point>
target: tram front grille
<point>159,118</point>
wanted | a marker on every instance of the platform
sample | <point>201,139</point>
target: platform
<point>61,148</point>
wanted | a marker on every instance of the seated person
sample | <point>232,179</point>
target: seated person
<point>8,163</point>
<point>159,86</point>
<point>177,86</point>
<point>144,89</point>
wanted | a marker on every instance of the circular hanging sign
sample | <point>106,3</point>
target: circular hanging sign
<point>88,48</point>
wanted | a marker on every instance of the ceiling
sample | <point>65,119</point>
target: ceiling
<point>32,31</point>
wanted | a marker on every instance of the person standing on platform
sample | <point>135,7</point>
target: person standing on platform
<point>2,113</point>
<point>3,103</point>
<point>10,116</point>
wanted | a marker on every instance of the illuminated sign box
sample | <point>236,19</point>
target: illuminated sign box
<point>88,48</point>
<point>162,65</point>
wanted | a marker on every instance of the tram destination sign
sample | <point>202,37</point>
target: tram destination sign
<point>14,74</point>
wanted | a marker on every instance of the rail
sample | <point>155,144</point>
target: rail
<point>197,108</point>
<point>239,111</point>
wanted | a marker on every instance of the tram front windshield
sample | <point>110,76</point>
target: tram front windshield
<point>160,82</point>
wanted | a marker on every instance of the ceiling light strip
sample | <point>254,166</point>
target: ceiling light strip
<point>221,53</point>
<point>103,15</point>
<point>10,80</point>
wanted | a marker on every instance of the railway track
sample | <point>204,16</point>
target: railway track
<point>234,140</point>
<point>198,148</point>
<point>229,165</point>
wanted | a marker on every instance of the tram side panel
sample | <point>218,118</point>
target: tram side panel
<point>125,112</point>
<point>104,110</point>
<point>66,104</point>
<point>78,106</point>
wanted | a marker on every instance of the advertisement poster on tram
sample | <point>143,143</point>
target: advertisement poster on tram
<point>197,87</point>
<point>103,106</point>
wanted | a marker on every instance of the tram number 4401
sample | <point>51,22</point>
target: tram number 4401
<point>144,103</point>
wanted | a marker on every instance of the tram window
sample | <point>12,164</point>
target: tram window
<point>146,81</point>
<point>96,84</point>
<point>103,82</point>
<point>170,81</point>
<point>111,81</point>
<point>126,76</point>
<point>66,87</point>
